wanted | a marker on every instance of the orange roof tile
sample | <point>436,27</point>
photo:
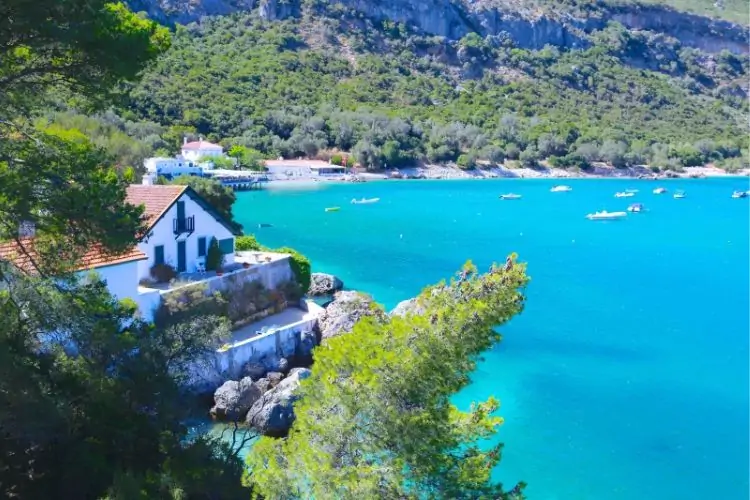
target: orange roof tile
<point>24,256</point>
<point>155,199</point>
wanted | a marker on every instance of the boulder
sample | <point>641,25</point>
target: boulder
<point>273,413</point>
<point>283,365</point>
<point>254,370</point>
<point>263,384</point>
<point>274,379</point>
<point>343,313</point>
<point>233,399</point>
<point>324,284</point>
<point>407,307</point>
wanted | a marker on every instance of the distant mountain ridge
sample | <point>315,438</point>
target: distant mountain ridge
<point>529,24</point>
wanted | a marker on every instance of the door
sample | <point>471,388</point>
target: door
<point>181,257</point>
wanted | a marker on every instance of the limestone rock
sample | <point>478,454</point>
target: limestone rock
<point>405,307</point>
<point>273,413</point>
<point>234,398</point>
<point>343,313</point>
<point>274,379</point>
<point>324,284</point>
<point>254,370</point>
<point>283,365</point>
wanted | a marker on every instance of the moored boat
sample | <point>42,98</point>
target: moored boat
<point>333,209</point>
<point>604,215</point>
<point>660,191</point>
<point>510,196</point>
<point>740,194</point>
<point>365,201</point>
<point>560,189</point>
<point>624,194</point>
<point>635,207</point>
<point>679,195</point>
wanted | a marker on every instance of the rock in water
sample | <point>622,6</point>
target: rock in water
<point>273,414</point>
<point>233,399</point>
<point>324,284</point>
<point>405,307</point>
<point>343,313</point>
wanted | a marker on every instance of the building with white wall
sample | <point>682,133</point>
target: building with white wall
<point>302,169</point>
<point>195,150</point>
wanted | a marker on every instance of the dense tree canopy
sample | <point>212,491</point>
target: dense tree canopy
<point>375,419</point>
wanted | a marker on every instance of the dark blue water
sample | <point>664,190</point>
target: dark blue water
<point>627,374</point>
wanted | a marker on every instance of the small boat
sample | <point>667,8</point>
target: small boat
<point>635,207</point>
<point>631,190</point>
<point>740,194</point>
<point>510,196</point>
<point>333,209</point>
<point>604,215</point>
<point>660,191</point>
<point>365,201</point>
<point>679,195</point>
<point>265,224</point>
<point>624,194</point>
<point>560,189</point>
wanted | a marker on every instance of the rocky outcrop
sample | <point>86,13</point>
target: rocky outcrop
<point>527,26</point>
<point>273,413</point>
<point>234,398</point>
<point>407,307</point>
<point>254,370</point>
<point>324,284</point>
<point>343,313</point>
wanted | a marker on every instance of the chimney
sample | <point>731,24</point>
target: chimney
<point>26,229</point>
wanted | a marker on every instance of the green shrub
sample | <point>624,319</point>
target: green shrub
<point>247,242</point>
<point>300,267</point>
<point>163,273</point>
<point>337,159</point>
<point>214,257</point>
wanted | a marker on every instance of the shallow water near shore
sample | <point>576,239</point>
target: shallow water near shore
<point>627,374</point>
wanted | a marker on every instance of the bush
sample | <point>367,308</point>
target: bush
<point>214,257</point>
<point>163,273</point>
<point>187,303</point>
<point>337,159</point>
<point>247,242</point>
<point>466,161</point>
<point>300,267</point>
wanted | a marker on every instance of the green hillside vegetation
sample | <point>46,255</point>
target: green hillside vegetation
<point>393,97</point>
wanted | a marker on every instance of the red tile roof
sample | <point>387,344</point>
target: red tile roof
<point>24,256</point>
<point>200,145</point>
<point>155,199</point>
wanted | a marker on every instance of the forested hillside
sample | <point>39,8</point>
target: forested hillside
<point>331,78</point>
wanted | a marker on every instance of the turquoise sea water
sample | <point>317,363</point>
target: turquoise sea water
<point>627,374</point>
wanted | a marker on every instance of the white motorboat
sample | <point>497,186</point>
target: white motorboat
<point>365,201</point>
<point>624,194</point>
<point>604,215</point>
<point>740,194</point>
<point>660,191</point>
<point>510,196</point>
<point>631,190</point>
<point>635,207</point>
<point>679,195</point>
<point>560,189</point>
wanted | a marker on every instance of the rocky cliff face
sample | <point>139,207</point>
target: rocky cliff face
<point>455,18</point>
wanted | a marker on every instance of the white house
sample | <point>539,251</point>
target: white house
<point>193,151</point>
<point>302,169</point>
<point>180,226</point>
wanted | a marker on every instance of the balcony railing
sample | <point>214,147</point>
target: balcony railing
<point>184,225</point>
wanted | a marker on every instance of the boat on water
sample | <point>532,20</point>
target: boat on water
<point>365,201</point>
<point>679,195</point>
<point>560,189</point>
<point>740,194</point>
<point>660,191</point>
<point>635,207</point>
<point>510,196</point>
<point>631,190</point>
<point>624,194</point>
<point>265,224</point>
<point>333,209</point>
<point>604,215</point>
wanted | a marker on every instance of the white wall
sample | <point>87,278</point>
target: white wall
<point>195,154</point>
<point>162,234</point>
<point>285,171</point>
<point>121,279</point>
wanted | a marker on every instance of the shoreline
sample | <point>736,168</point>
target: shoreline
<point>435,172</point>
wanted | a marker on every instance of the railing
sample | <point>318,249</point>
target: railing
<point>184,225</point>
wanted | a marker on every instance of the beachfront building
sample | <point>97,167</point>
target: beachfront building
<point>200,149</point>
<point>195,158</point>
<point>180,226</point>
<point>302,169</point>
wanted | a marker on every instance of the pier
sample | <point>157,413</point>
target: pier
<point>240,181</point>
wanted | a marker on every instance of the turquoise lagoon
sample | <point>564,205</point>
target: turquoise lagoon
<point>627,374</point>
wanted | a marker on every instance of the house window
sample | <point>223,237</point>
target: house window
<point>226,246</point>
<point>202,246</point>
<point>159,254</point>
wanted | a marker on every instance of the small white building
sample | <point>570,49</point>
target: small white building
<point>180,227</point>
<point>195,150</point>
<point>302,169</point>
